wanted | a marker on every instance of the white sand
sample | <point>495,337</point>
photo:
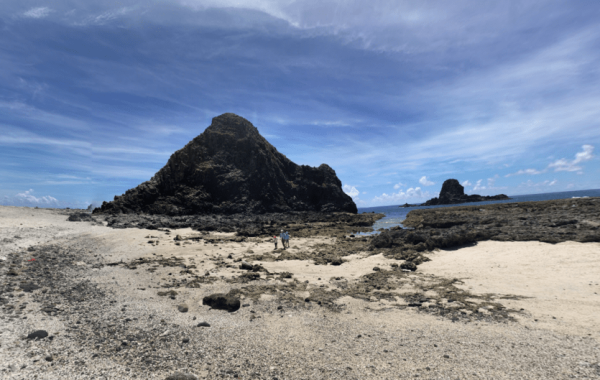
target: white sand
<point>561,281</point>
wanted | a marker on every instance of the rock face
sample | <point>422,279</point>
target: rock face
<point>230,168</point>
<point>453,193</point>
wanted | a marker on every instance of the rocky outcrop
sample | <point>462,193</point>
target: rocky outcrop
<point>454,193</point>
<point>230,168</point>
<point>551,221</point>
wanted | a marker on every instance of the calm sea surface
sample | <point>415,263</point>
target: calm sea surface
<point>394,215</point>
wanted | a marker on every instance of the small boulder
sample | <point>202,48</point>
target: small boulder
<point>203,324</point>
<point>183,308</point>
<point>80,217</point>
<point>182,376</point>
<point>38,334</point>
<point>222,301</point>
<point>337,261</point>
<point>246,265</point>
<point>409,265</point>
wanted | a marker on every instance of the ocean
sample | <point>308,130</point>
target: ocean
<point>394,215</point>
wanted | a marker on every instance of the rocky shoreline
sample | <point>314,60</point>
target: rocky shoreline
<point>130,300</point>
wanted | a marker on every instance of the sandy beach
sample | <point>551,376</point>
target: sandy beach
<point>127,303</point>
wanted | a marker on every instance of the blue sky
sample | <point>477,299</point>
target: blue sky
<point>396,96</point>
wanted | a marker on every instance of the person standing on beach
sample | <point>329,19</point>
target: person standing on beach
<point>287,239</point>
<point>282,236</point>
<point>275,241</point>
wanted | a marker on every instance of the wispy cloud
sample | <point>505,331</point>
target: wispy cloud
<point>525,171</point>
<point>398,185</point>
<point>573,165</point>
<point>466,183</point>
<point>402,196</point>
<point>27,198</point>
<point>39,12</point>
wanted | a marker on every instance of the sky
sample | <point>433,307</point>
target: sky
<point>396,96</point>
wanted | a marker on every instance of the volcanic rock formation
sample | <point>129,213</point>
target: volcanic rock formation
<point>453,193</point>
<point>230,168</point>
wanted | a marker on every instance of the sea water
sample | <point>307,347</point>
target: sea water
<point>394,215</point>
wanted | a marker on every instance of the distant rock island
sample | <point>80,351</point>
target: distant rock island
<point>454,193</point>
<point>230,168</point>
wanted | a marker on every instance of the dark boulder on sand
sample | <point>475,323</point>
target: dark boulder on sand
<point>230,168</point>
<point>222,301</point>
<point>454,193</point>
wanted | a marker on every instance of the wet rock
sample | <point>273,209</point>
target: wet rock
<point>222,301</point>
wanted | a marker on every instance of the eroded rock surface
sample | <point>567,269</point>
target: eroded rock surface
<point>551,221</point>
<point>230,168</point>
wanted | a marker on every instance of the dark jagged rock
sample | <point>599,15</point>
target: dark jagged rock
<point>230,168</point>
<point>454,193</point>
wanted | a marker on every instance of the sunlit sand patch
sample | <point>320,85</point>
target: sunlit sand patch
<point>558,283</point>
<point>355,266</point>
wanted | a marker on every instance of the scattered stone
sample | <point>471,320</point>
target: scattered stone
<point>408,265</point>
<point>337,261</point>
<point>38,334</point>
<point>183,308</point>
<point>80,217</point>
<point>203,324</point>
<point>182,376</point>
<point>222,301</point>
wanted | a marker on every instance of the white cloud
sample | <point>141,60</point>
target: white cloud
<point>466,183</point>
<point>26,198</point>
<point>530,183</point>
<point>478,186</point>
<point>402,196</point>
<point>526,171</point>
<point>398,185</point>
<point>572,165</point>
<point>351,190</point>
<point>425,182</point>
<point>39,12</point>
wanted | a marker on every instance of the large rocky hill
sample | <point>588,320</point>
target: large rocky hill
<point>230,168</point>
